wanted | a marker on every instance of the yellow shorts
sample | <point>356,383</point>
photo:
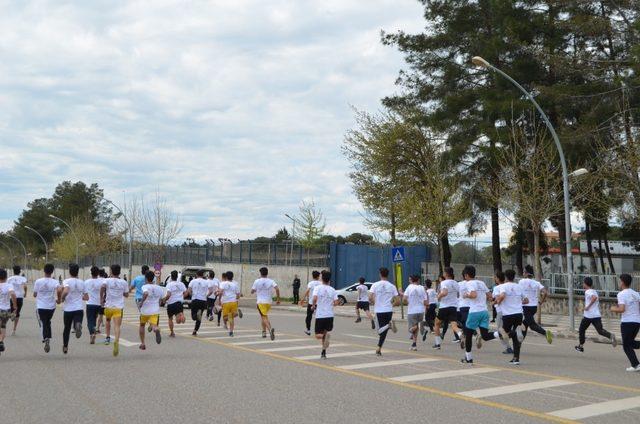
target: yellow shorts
<point>230,308</point>
<point>151,319</point>
<point>112,313</point>
<point>264,308</point>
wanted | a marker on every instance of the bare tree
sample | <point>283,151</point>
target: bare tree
<point>157,224</point>
<point>311,224</point>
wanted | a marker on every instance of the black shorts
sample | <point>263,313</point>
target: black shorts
<point>449,314</point>
<point>101,310</point>
<point>324,324</point>
<point>431,312</point>
<point>362,305</point>
<point>174,309</point>
<point>19,301</point>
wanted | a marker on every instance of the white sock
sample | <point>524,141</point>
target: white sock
<point>460,334</point>
<point>469,356</point>
<point>496,334</point>
<point>438,340</point>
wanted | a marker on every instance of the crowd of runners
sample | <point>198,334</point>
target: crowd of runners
<point>432,308</point>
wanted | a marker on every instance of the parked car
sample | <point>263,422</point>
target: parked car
<point>186,275</point>
<point>349,294</point>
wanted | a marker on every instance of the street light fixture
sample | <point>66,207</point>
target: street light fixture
<point>24,249</point>
<point>479,61</point>
<point>293,236</point>
<point>130,227</point>
<point>74,236</point>
<point>46,247</point>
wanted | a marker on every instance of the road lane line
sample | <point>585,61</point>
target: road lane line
<point>270,341</point>
<point>336,355</point>
<point>387,363</point>
<point>443,374</point>
<point>188,332</point>
<point>516,388</point>
<point>597,409</point>
<point>288,348</point>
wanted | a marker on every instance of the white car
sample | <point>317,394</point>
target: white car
<point>349,294</point>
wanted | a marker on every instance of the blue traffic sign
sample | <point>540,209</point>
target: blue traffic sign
<point>397,254</point>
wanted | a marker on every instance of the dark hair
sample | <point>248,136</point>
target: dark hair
<point>384,272</point>
<point>315,275</point>
<point>95,271</point>
<point>415,277</point>
<point>3,274</point>
<point>469,270</point>
<point>326,276</point>
<point>510,274</point>
<point>229,275</point>
<point>49,268</point>
<point>211,274</point>
<point>115,270</point>
<point>149,276</point>
<point>500,276</point>
<point>626,279</point>
<point>16,270</point>
<point>361,280</point>
<point>264,271</point>
<point>449,271</point>
<point>428,283</point>
<point>174,275</point>
<point>588,281</point>
<point>74,269</point>
<point>145,268</point>
<point>200,273</point>
<point>103,273</point>
<point>528,269</point>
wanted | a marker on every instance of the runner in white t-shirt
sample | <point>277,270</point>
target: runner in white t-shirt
<point>73,295</point>
<point>629,306</point>
<point>198,289</point>
<point>477,293</point>
<point>229,293</point>
<point>92,288</point>
<point>45,291</point>
<point>8,301</point>
<point>176,291</point>
<point>150,308</point>
<point>323,299</point>
<point>383,295</point>
<point>308,294</point>
<point>112,293</point>
<point>536,293</point>
<point>591,315</point>
<point>19,284</point>
<point>212,297</point>
<point>447,311</point>
<point>498,279</point>
<point>510,298</point>
<point>417,301</point>
<point>430,313</point>
<point>363,302</point>
<point>264,287</point>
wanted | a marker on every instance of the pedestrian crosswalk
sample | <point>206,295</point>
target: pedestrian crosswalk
<point>516,388</point>
<point>443,374</point>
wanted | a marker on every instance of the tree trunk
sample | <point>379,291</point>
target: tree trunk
<point>495,239</point>
<point>612,269</point>
<point>441,256</point>
<point>519,249</point>
<point>446,251</point>
<point>593,266</point>
<point>536,255</point>
<point>600,253</point>
<point>531,244</point>
<point>393,228</point>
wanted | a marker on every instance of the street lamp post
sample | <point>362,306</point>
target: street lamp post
<point>74,236</point>
<point>46,246</point>
<point>479,61</point>
<point>10,252</point>
<point>130,229</point>
<point>24,249</point>
<point>293,235</point>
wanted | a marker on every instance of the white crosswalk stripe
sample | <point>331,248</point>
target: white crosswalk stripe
<point>336,355</point>
<point>597,409</point>
<point>516,388</point>
<point>287,348</point>
<point>387,363</point>
<point>269,341</point>
<point>443,374</point>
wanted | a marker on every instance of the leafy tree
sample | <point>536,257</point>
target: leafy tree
<point>36,216</point>
<point>73,200</point>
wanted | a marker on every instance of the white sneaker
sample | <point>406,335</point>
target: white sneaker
<point>634,369</point>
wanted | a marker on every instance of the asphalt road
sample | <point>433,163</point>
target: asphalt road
<point>215,378</point>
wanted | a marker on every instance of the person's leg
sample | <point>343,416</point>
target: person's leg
<point>195,310</point>
<point>597,323</point>
<point>170,320</point>
<point>141,334</point>
<point>78,317</point>
<point>100,319</point>
<point>358,319</point>
<point>107,328</point>
<point>309,317</point>
<point>46,322</point>
<point>210,309</point>
<point>384,319</point>
<point>584,324</point>
<point>19,301</point>
<point>629,332</point>
<point>509,325</point>
<point>92,312</point>
<point>67,318</point>
<point>530,320</point>
<point>231,318</point>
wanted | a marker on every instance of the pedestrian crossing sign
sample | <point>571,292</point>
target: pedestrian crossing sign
<point>397,254</point>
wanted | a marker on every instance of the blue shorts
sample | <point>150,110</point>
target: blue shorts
<point>477,319</point>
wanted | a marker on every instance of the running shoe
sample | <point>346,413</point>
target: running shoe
<point>514,361</point>
<point>519,334</point>
<point>211,318</point>
<point>47,347</point>
<point>194,334</point>
<point>378,352</point>
<point>116,348</point>
<point>1,346</point>
<point>172,334</point>
<point>614,340</point>
<point>454,341</point>
<point>158,336</point>
<point>323,354</point>
<point>358,320</point>
<point>239,313</point>
<point>508,351</point>
<point>373,325</point>
<point>467,361</point>
<point>325,341</point>
<point>272,334</point>
<point>149,329</point>
<point>264,334</point>
<point>424,336</point>
<point>634,369</point>
<point>78,327</point>
<point>393,326</point>
<point>142,347</point>
<point>479,341</point>
<point>307,332</point>
<point>107,341</point>
<point>549,337</point>
<point>436,346</point>
<point>414,347</point>
<point>65,349</point>
<point>92,339</point>
<point>579,348</point>
<point>230,333</point>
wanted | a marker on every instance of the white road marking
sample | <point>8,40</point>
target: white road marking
<point>269,341</point>
<point>125,343</point>
<point>243,336</point>
<point>188,332</point>
<point>443,374</point>
<point>336,355</point>
<point>376,338</point>
<point>387,363</point>
<point>315,346</point>
<point>596,409</point>
<point>516,388</point>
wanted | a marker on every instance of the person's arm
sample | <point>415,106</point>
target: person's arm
<point>372,298</point>
<point>500,298</point>
<point>305,296</point>
<point>167,295</point>
<point>593,300</point>
<point>443,293</point>
<point>63,294</point>
<point>144,298</point>
<point>314,303</point>
<point>277,295</point>
<point>470,295</point>
<point>24,287</point>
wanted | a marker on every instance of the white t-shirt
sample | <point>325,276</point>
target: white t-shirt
<point>92,288</point>
<point>478,304</point>
<point>463,288</point>
<point>324,304</point>
<point>73,301</point>
<point>18,282</point>
<point>151,305</point>
<point>5,296</point>
<point>451,299</point>
<point>594,310</point>
<point>384,292</point>
<point>363,293</point>
<point>214,284</point>
<point>495,292</point>
<point>46,292</point>
<point>512,302</point>
<point>415,295</point>
<point>530,290</point>
<point>433,296</point>
<point>264,290</point>
<point>116,288</point>
<point>631,301</point>
<point>199,288</point>
<point>177,289</point>
<point>230,291</point>
<point>311,285</point>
